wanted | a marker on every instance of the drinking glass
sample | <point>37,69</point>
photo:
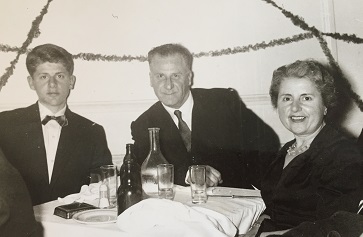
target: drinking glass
<point>165,181</point>
<point>198,185</point>
<point>109,178</point>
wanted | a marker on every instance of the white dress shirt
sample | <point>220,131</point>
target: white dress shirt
<point>186,110</point>
<point>51,135</point>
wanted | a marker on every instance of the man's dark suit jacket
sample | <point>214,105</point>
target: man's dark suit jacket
<point>225,135</point>
<point>82,147</point>
<point>16,210</point>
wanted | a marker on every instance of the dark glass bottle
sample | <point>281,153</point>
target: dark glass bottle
<point>149,175</point>
<point>130,190</point>
<point>129,156</point>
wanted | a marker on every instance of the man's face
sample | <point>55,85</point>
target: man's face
<point>52,82</point>
<point>171,79</point>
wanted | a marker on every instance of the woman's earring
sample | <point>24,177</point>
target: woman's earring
<point>325,111</point>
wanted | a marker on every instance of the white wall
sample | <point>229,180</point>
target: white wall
<point>115,93</point>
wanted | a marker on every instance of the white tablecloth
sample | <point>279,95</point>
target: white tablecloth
<point>242,212</point>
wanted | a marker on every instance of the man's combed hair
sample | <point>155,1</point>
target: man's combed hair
<point>49,53</point>
<point>172,49</point>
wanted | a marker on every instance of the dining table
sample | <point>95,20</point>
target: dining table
<point>237,206</point>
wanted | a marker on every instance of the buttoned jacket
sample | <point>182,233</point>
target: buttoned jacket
<point>82,147</point>
<point>225,135</point>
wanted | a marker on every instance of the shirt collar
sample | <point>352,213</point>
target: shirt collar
<point>186,108</point>
<point>44,111</point>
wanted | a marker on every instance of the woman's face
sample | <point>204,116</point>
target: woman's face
<point>300,106</point>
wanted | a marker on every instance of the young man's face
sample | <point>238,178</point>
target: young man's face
<point>52,82</point>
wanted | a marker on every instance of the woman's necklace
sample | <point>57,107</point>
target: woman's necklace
<point>292,151</point>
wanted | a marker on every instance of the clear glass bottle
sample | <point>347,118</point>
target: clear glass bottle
<point>149,175</point>
<point>130,190</point>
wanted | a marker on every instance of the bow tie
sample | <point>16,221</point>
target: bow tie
<point>62,120</point>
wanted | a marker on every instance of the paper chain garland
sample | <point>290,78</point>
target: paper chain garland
<point>296,20</point>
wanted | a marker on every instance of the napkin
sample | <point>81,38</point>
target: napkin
<point>161,217</point>
<point>87,193</point>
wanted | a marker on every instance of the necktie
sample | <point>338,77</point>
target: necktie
<point>62,120</point>
<point>184,130</point>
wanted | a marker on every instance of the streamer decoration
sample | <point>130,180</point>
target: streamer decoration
<point>33,33</point>
<point>311,32</point>
<point>342,80</point>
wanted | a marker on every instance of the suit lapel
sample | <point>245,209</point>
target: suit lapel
<point>168,129</point>
<point>197,113</point>
<point>171,142</point>
<point>33,129</point>
<point>68,141</point>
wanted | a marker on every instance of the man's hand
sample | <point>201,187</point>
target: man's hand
<point>213,177</point>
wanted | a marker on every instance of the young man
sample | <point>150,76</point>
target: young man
<point>213,127</point>
<point>53,148</point>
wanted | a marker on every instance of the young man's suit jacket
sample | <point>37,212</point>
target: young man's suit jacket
<point>225,135</point>
<point>82,147</point>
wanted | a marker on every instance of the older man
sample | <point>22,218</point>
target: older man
<point>200,126</point>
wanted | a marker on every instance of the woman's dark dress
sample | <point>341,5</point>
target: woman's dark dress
<point>315,184</point>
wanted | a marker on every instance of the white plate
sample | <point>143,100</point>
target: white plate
<point>95,217</point>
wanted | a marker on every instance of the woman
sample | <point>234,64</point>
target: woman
<point>318,172</point>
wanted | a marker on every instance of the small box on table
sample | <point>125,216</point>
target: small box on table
<point>68,210</point>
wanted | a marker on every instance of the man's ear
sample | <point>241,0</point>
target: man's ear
<point>73,82</point>
<point>190,78</point>
<point>30,82</point>
<point>150,77</point>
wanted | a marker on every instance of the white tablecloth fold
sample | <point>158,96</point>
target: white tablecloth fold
<point>243,212</point>
<point>87,193</point>
<point>161,217</point>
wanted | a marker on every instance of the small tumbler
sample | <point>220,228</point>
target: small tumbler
<point>165,181</point>
<point>198,183</point>
<point>109,178</point>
